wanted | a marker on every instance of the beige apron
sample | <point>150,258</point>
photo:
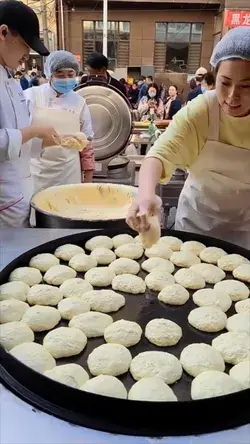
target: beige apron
<point>215,200</point>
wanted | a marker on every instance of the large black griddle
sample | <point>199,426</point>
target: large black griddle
<point>185,417</point>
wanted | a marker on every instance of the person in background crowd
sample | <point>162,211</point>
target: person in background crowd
<point>199,76</point>
<point>144,87</point>
<point>151,105</point>
<point>24,82</point>
<point>173,104</point>
<point>192,84</point>
<point>125,84</point>
<point>37,81</point>
<point>133,94</point>
<point>78,78</point>
<point>208,83</point>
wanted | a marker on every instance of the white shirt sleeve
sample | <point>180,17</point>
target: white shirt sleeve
<point>36,144</point>
<point>10,144</point>
<point>85,120</point>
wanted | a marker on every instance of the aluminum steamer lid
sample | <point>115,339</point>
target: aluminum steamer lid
<point>111,120</point>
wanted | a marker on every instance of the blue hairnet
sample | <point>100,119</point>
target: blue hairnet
<point>234,45</point>
<point>60,60</point>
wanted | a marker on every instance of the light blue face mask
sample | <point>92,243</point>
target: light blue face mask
<point>63,86</point>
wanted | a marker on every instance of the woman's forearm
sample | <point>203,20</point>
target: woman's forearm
<point>149,176</point>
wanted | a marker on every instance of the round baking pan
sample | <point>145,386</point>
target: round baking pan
<point>114,415</point>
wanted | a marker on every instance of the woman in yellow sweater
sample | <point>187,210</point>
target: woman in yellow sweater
<point>211,138</point>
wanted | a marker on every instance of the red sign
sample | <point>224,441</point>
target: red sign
<point>237,18</point>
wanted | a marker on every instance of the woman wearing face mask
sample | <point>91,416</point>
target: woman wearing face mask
<point>210,137</point>
<point>57,103</point>
<point>173,104</point>
<point>151,105</point>
<point>208,83</point>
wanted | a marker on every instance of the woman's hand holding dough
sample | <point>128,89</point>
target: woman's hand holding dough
<point>141,211</point>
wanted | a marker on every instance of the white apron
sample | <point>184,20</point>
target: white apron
<point>215,200</point>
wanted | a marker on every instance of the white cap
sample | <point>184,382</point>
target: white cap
<point>201,72</point>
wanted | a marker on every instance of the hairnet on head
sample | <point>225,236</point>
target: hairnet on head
<point>234,45</point>
<point>60,60</point>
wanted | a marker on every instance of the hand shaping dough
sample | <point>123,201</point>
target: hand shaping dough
<point>243,306</point>
<point>163,332</point>
<point>240,323</point>
<point>105,301</point>
<point>67,251</point>
<point>210,272</point>
<point>15,333</point>
<point>99,242</point>
<point>157,264</point>
<point>194,246</point>
<point>93,324</point>
<point>44,261</point>
<point>58,274</point>
<point>42,294</point>
<point>14,290</point>
<point>130,251</point>
<point>122,239</point>
<point>105,385</point>
<point>174,295</point>
<point>208,297</point>
<point>29,275</point>
<point>184,259</point>
<point>71,307</point>
<point>12,310</point>
<point>189,279</point>
<point>151,389</point>
<point>153,234</point>
<point>198,358</point>
<point>124,265</point>
<point>75,288</point>
<point>82,262</point>
<point>103,256</point>
<point>159,250</point>
<point>242,273</point>
<point>236,290</point>
<point>34,356</point>
<point>172,242</point>
<point>129,283</point>
<point>41,318</point>
<point>72,375</point>
<point>109,359</point>
<point>234,347</point>
<point>241,373</point>
<point>76,142</point>
<point>209,319</point>
<point>213,383</point>
<point>100,277</point>
<point>156,363</point>
<point>232,261</point>
<point>123,332</point>
<point>157,280</point>
<point>211,255</point>
<point>64,342</point>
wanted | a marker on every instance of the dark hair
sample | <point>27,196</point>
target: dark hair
<point>150,78</point>
<point>80,74</point>
<point>18,73</point>
<point>142,79</point>
<point>174,86</point>
<point>153,85</point>
<point>97,61</point>
<point>123,81</point>
<point>209,78</point>
<point>33,74</point>
<point>200,77</point>
<point>192,84</point>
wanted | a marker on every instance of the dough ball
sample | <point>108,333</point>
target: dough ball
<point>29,275</point>
<point>158,364</point>
<point>242,273</point>
<point>241,374</point>
<point>193,246</point>
<point>208,297</point>
<point>42,294</point>
<point>105,301</point>
<point>109,359</point>
<point>123,332</point>
<point>157,280</point>
<point>72,375</point>
<point>58,274</point>
<point>100,277</point>
<point>103,256</point>
<point>41,318</point>
<point>210,272</point>
<point>122,239</point>
<point>163,332</point>
<point>184,259</point>
<point>14,290</point>
<point>99,242</point>
<point>240,323</point>
<point>124,265</point>
<point>157,264</point>
<point>12,310</point>
<point>15,333</point>
<point>231,261</point>
<point>67,251</point>
<point>75,288</point>
<point>234,347</point>
<point>64,342</point>
<point>44,261</point>
<point>82,262</point>
<point>159,250</point>
<point>129,283</point>
<point>151,389</point>
<point>198,358</point>
<point>153,234</point>
<point>236,290</point>
<point>213,383</point>
<point>174,295</point>
<point>130,251</point>
<point>71,307</point>
<point>172,242</point>
<point>105,385</point>
<point>34,356</point>
<point>243,306</point>
<point>93,324</point>
<point>211,255</point>
<point>189,279</point>
<point>137,240</point>
<point>209,319</point>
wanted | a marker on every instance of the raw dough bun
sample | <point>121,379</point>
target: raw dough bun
<point>156,363</point>
<point>208,297</point>
<point>194,246</point>
<point>159,250</point>
<point>242,273</point>
<point>109,359</point>
<point>34,356</point>
<point>153,234</point>
<point>123,332</point>
<point>234,347</point>
<point>67,251</point>
<point>172,242</point>
<point>29,275</point>
<point>198,358</point>
<point>157,264</point>
<point>213,383</point>
<point>209,319</point>
<point>157,280</point>
<point>105,301</point>
<point>14,290</point>
<point>93,324</point>
<point>184,259</point>
<point>64,342</point>
<point>210,272</point>
<point>130,251</point>
<point>42,294</point>
<point>58,274</point>
<point>105,385</point>
<point>82,262</point>
<point>100,277</point>
<point>75,288</point>
<point>231,261</point>
<point>44,261</point>
<point>15,333</point>
<point>189,279</point>
<point>99,242</point>
<point>243,306</point>
<point>71,307</point>
<point>129,283</point>
<point>211,255</point>
<point>122,239</point>
<point>151,389</point>
<point>41,318</point>
<point>12,310</point>
<point>163,332</point>
<point>241,374</point>
<point>174,295</point>
<point>103,256</point>
<point>236,290</point>
<point>240,323</point>
<point>124,265</point>
<point>72,375</point>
